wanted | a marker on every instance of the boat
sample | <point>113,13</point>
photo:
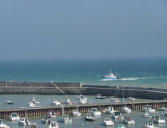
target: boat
<point>94,112</point>
<point>128,121</point>
<point>90,118</point>
<point>34,100</point>
<point>121,126</point>
<point>14,117</point>
<point>114,100</point>
<point>31,104</point>
<point>149,109</point>
<point>2,125</point>
<point>108,122</point>
<point>147,115</point>
<point>51,115</point>
<point>24,122</point>
<point>158,120</point>
<point>9,102</point>
<point>131,98</point>
<point>66,119</point>
<point>55,102</point>
<point>163,109</point>
<point>53,124</point>
<point>149,125</point>
<point>117,115</point>
<point>45,121</point>
<point>68,102</point>
<point>110,76</point>
<point>99,96</point>
<point>125,109</point>
<point>76,112</point>
<point>109,110</point>
<point>82,99</point>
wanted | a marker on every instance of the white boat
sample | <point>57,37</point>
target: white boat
<point>108,122</point>
<point>110,76</point>
<point>31,104</point>
<point>94,112</point>
<point>147,115</point>
<point>90,118</point>
<point>9,102</point>
<point>2,125</point>
<point>66,119</point>
<point>51,115</point>
<point>158,120</point>
<point>109,110</point>
<point>121,126</point>
<point>24,122</point>
<point>53,124</point>
<point>76,112</point>
<point>14,116</point>
<point>68,102</point>
<point>149,125</point>
<point>99,96</point>
<point>55,102</point>
<point>82,99</point>
<point>163,109</point>
<point>129,121</point>
<point>114,100</point>
<point>131,98</point>
<point>117,115</point>
<point>125,109</point>
<point>149,109</point>
<point>34,100</point>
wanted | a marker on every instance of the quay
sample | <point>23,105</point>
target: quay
<point>42,111</point>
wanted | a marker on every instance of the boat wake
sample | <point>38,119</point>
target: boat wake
<point>135,78</point>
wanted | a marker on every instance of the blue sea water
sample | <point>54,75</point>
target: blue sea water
<point>130,72</point>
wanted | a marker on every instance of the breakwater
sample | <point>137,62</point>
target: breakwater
<point>44,110</point>
<point>79,88</point>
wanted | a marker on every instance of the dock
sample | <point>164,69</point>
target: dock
<point>42,111</point>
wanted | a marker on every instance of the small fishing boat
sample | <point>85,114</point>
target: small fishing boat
<point>31,104</point>
<point>129,121</point>
<point>9,102</point>
<point>114,100</point>
<point>108,122</point>
<point>55,102</point>
<point>117,115</point>
<point>82,99</point>
<point>34,100</point>
<point>147,115</point>
<point>53,124</point>
<point>149,109</point>
<point>14,116</point>
<point>66,119</point>
<point>90,118</point>
<point>76,112</point>
<point>125,109</point>
<point>51,115</point>
<point>94,112</point>
<point>158,120</point>
<point>99,96</point>
<point>24,122</point>
<point>149,125</point>
<point>109,110</point>
<point>131,98</point>
<point>121,126</point>
<point>45,121</point>
<point>2,125</point>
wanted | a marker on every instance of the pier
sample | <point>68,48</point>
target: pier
<point>43,110</point>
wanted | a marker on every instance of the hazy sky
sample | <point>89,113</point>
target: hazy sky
<point>46,29</point>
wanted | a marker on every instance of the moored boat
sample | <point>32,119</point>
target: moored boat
<point>94,112</point>
<point>109,110</point>
<point>108,122</point>
<point>66,119</point>
<point>51,115</point>
<point>99,96</point>
<point>90,118</point>
<point>158,120</point>
<point>14,117</point>
<point>149,125</point>
<point>129,121</point>
<point>24,122</point>
<point>2,125</point>
<point>53,124</point>
<point>76,112</point>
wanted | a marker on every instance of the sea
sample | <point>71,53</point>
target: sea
<point>143,72</point>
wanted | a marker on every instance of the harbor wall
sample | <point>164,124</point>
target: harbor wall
<point>80,89</point>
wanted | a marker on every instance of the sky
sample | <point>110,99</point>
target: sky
<point>50,29</point>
